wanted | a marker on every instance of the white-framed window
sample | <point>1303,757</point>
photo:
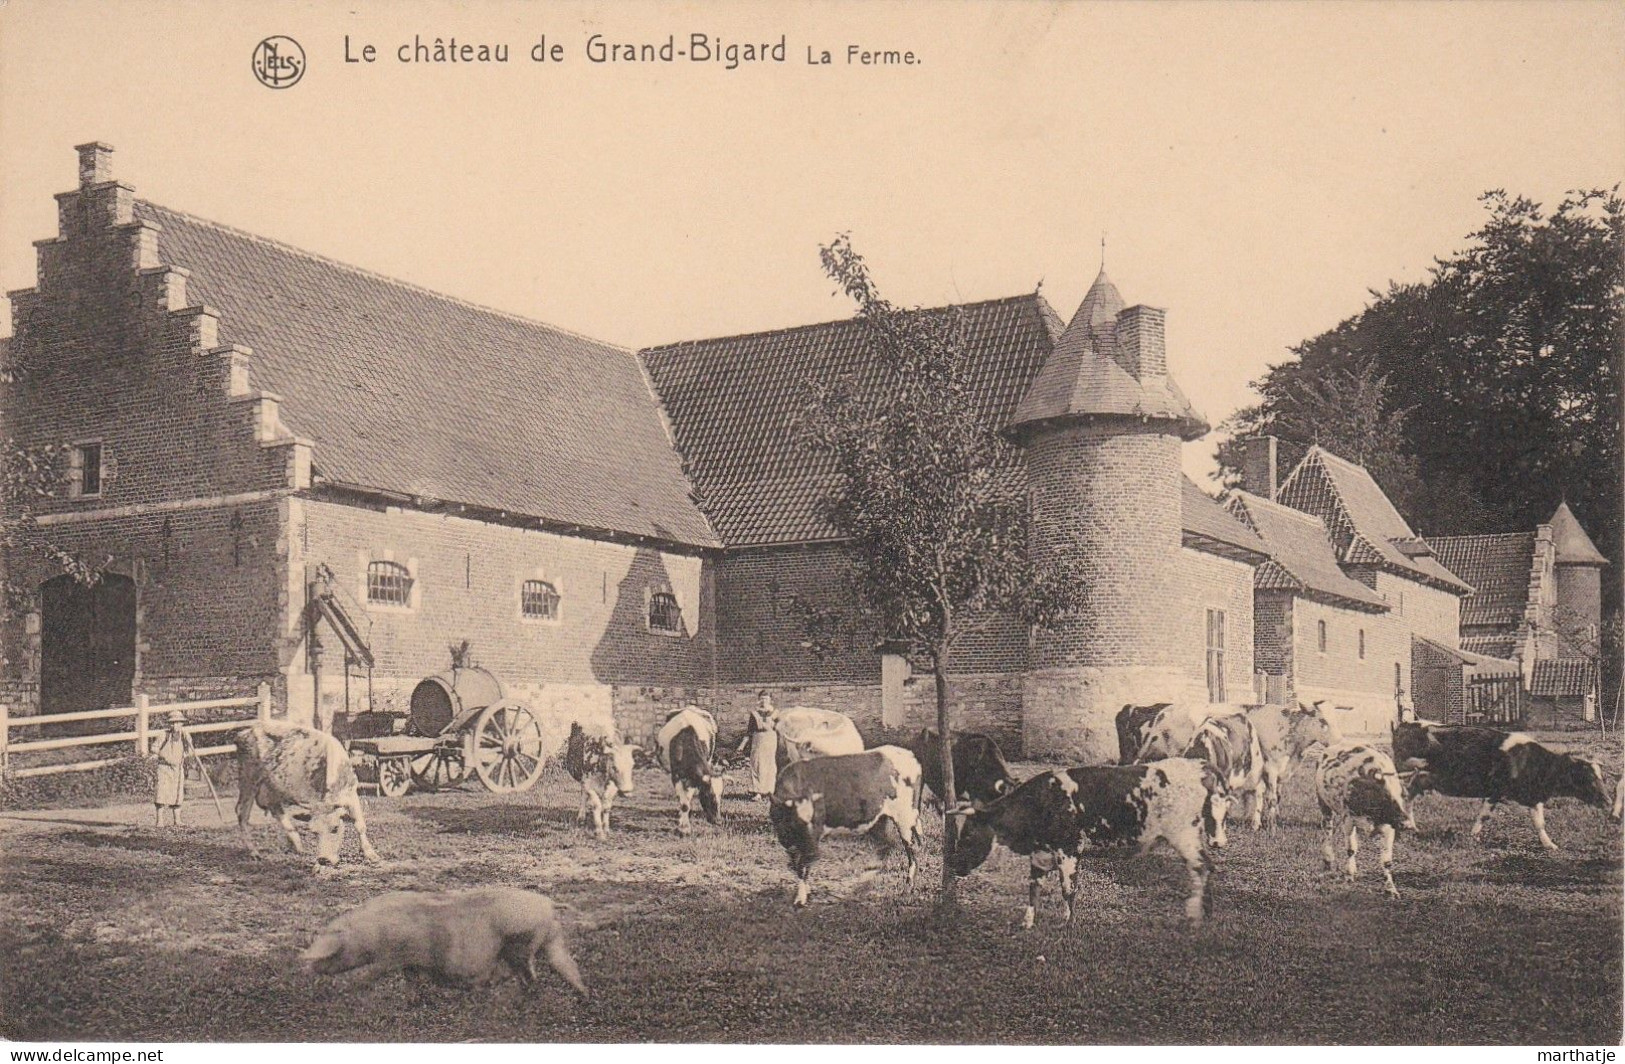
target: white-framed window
<point>539,600</point>
<point>389,583</point>
<point>1215,656</point>
<point>665,615</point>
<point>87,468</point>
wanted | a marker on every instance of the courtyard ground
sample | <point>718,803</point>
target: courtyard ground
<point>112,929</point>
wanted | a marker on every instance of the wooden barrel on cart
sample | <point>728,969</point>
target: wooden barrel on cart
<point>439,699</point>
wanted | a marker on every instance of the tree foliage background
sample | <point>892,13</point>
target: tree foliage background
<point>1485,395</point>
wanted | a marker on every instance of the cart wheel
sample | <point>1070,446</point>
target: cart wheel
<point>394,776</point>
<point>440,768</point>
<point>508,747</point>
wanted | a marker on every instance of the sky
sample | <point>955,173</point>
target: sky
<point>1256,169</point>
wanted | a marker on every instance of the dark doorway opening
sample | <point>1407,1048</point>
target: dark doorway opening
<point>87,644</point>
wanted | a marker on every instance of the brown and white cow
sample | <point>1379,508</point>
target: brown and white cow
<point>1134,724</point>
<point>1357,782</point>
<point>282,766</point>
<point>1230,746</point>
<point>1057,817</point>
<point>686,745</point>
<point>876,792</point>
<point>1286,736</point>
<point>980,771</point>
<point>603,767</point>
<point>459,935</point>
<point>806,732</point>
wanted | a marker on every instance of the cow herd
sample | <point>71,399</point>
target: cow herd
<point>1179,773</point>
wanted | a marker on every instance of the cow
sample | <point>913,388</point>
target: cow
<point>806,732</point>
<point>1133,728</point>
<point>1229,744</point>
<point>457,935</point>
<point>282,766</point>
<point>1170,732</point>
<point>1057,817</point>
<point>1462,761</point>
<point>980,773</point>
<point>1619,799</point>
<point>1286,736</point>
<point>1357,782</point>
<point>603,767</point>
<point>876,792</point>
<point>685,745</point>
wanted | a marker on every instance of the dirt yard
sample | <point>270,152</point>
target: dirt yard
<point>115,930</point>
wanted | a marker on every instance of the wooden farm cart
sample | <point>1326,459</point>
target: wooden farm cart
<point>460,721</point>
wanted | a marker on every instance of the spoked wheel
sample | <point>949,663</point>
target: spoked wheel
<point>440,768</point>
<point>394,776</point>
<point>508,747</point>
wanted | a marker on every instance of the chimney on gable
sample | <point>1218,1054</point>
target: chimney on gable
<point>95,163</point>
<point>1142,345</point>
<point>1258,466</point>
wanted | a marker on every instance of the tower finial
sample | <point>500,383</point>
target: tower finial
<point>1103,250</point>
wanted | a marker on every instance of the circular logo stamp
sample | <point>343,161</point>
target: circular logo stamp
<point>279,62</point>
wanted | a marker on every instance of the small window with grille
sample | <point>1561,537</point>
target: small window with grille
<point>539,601</point>
<point>389,584</point>
<point>85,469</point>
<point>665,615</point>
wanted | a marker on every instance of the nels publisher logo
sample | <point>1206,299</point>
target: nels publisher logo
<point>279,62</point>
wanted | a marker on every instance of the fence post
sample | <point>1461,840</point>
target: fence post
<point>141,725</point>
<point>265,702</point>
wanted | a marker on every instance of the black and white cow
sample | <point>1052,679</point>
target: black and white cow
<point>1134,728</point>
<point>1286,736</point>
<point>686,744</point>
<point>1461,761</point>
<point>1057,817</point>
<point>603,767</point>
<point>980,772</point>
<point>1230,746</point>
<point>282,766</point>
<point>876,792</point>
<point>1357,783</point>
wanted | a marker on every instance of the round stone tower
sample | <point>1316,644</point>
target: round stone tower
<point>1579,565</point>
<point>1101,427</point>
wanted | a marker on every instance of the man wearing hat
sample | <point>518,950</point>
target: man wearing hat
<point>171,753</point>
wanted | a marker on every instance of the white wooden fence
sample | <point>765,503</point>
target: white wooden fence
<point>142,737</point>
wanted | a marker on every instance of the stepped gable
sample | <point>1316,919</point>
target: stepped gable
<point>1362,520</point>
<point>411,393</point>
<point>1301,557</point>
<point>1573,546</point>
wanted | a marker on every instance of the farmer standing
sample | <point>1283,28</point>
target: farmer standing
<point>763,740</point>
<point>171,753</point>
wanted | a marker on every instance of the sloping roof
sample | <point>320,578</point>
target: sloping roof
<point>1361,519</point>
<point>1573,546</point>
<point>1497,566</point>
<point>1563,679</point>
<point>407,391</point>
<point>1083,377</point>
<point>1302,559</point>
<point>1208,526</point>
<point>733,402</point>
<point>1474,660</point>
<point>1495,644</point>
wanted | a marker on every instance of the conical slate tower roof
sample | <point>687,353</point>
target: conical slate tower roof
<point>1087,375</point>
<point>1573,546</point>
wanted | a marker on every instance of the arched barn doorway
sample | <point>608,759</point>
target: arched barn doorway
<point>87,643</point>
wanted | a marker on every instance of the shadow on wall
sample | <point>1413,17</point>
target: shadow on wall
<point>647,640</point>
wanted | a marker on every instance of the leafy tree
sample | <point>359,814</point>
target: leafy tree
<point>1496,380</point>
<point>922,489</point>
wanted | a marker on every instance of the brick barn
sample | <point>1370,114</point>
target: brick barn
<point>306,474</point>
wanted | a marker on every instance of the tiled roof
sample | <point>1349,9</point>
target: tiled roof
<point>1500,645</point>
<point>733,402</point>
<point>1361,518</point>
<point>1497,567</point>
<point>1563,679</point>
<point>1302,559</point>
<point>407,391</point>
<point>1476,661</point>
<point>1573,546</point>
<point>1208,526</point>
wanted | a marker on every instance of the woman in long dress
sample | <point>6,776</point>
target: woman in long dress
<point>763,740</point>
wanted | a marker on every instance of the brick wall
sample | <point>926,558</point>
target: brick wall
<point>761,629</point>
<point>1273,639</point>
<point>1427,611</point>
<point>1577,611</point>
<point>1362,689</point>
<point>1206,582</point>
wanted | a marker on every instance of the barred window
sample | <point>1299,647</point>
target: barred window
<point>1215,656</point>
<point>665,615</point>
<point>539,600</point>
<point>389,583</point>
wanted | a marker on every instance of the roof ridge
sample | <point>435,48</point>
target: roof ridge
<point>789,329</point>
<point>1477,535</point>
<point>1281,507</point>
<point>375,275</point>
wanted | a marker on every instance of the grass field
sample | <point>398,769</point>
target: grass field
<point>113,929</point>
